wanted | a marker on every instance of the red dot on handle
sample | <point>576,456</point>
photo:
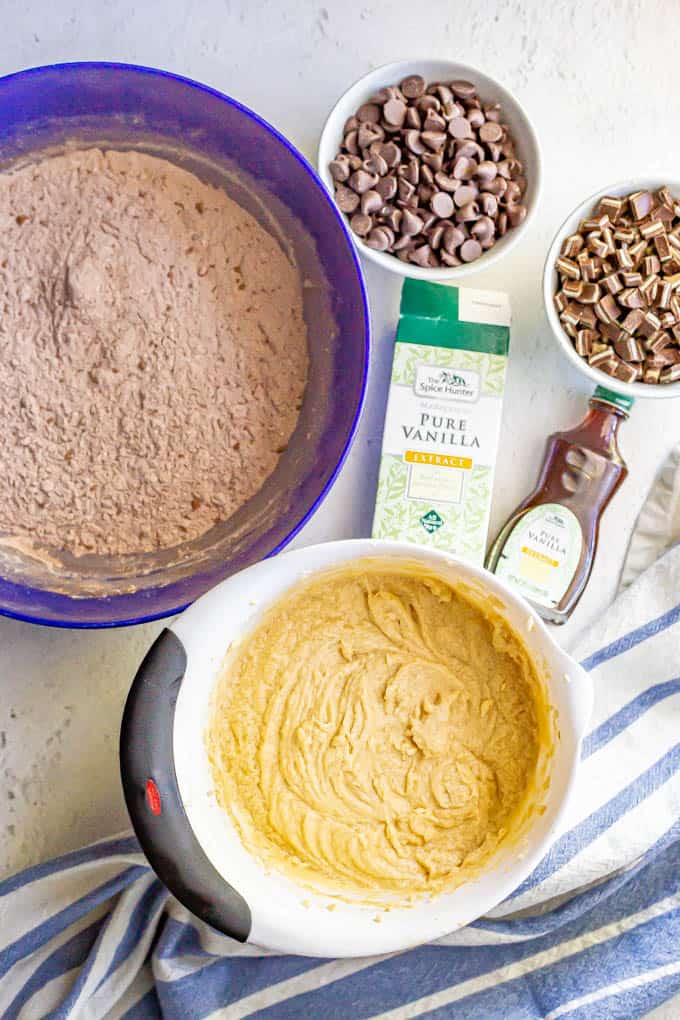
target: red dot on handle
<point>153,797</point>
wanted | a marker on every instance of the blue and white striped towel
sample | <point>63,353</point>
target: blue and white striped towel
<point>593,933</point>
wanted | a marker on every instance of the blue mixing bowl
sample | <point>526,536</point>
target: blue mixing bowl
<point>126,107</point>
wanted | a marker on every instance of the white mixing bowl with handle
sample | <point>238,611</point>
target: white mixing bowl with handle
<point>190,840</point>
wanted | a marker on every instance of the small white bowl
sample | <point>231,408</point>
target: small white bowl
<point>491,91</point>
<point>655,391</point>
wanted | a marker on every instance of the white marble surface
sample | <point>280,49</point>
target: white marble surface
<point>591,77</point>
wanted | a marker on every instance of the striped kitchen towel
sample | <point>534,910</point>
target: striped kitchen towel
<point>593,933</point>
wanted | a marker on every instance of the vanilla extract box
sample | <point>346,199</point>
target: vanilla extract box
<point>443,418</point>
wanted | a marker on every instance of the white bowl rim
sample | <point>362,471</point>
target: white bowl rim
<point>399,69</point>
<point>334,934</point>
<point>655,391</point>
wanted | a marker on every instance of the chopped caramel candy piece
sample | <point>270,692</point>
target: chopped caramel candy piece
<point>625,372</point>
<point>585,338</point>
<point>612,331</point>
<point>650,324</point>
<point>663,294</point>
<point>667,319</point>
<point>599,246</point>
<point>632,279</point>
<point>640,203</point>
<point>630,349</point>
<point>611,207</point>
<point>588,316</point>
<point>637,252</point>
<point>632,297</point>
<point>613,283</point>
<point>651,264</point>
<point>600,359</point>
<point>590,293</point>
<point>572,245</point>
<point>632,320</point>
<point>623,257</point>
<point>652,228</point>
<point>560,300</point>
<point>658,341</point>
<point>625,236</point>
<point>670,374</point>
<point>572,288</point>
<point>652,375</point>
<point>568,268</point>
<point>663,248</point>
<point>571,314</point>
<point>665,198</point>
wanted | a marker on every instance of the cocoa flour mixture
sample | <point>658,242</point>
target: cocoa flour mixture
<point>153,353</point>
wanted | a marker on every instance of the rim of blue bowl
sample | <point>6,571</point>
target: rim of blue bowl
<point>91,601</point>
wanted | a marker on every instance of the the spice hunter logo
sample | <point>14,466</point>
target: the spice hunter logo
<point>455,383</point>
<point>431,521</point>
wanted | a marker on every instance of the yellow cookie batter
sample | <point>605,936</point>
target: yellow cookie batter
<point>379,730</point>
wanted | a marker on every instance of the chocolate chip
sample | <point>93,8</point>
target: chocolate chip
<point>465,193</point>
<point>453,238</point>
<point>421,256</point>
<point>434,140</point>
<point>470,250</point>
<point>516,215</point>
<point>387,187</point>
<point>371,202</point>
<point>463,89</point>
<point>339,168</point>
<point>369,113</point>
<point>391,153</point>
<point>347,200</point>
<point>380,238</point>
<point>368,134</point>
<point>435,160</point>
<point>446,183</point>
<point>488,204</point>
<point>413,87</point>
<point>459,127</point>
<point>410,223</point>
<point>361,181</point>
<point>394,112</point>
<point>449,259</point>
<point>483,229</point>
<point>464,168</point>
<point>467,213</point>
<point>434,122</point>
<point>490,132</point>
<point>351,143</point>
<point>414,143</point>
<point>375,164</point>
<point>413,119</point>
<point>487,170</point>
<point>442,204</point>
<point>361,224</point>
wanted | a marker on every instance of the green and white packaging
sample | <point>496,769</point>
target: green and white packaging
<point>443,418</point>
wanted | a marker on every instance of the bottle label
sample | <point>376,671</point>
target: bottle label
<point>541,554</point>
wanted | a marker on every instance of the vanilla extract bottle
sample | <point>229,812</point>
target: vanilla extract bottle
<point>546,549</point>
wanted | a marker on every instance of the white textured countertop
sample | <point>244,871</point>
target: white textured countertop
<point>592,78</point>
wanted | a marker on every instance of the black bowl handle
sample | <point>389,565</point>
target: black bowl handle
<point>153,798</point>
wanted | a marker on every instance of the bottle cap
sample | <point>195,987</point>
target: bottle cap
<point>612,397</point>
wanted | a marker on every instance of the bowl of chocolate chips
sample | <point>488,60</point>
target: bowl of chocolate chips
<point>611,287</point>
<point>435,165</point>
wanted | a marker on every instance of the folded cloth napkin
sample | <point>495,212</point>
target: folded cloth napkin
<point>593,933</point>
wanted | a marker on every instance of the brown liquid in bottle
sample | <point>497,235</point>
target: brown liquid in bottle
<point>547,548</point>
